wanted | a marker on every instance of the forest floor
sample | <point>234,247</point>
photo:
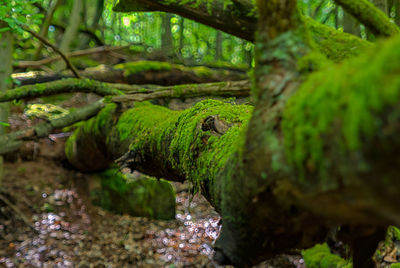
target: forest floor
<point>62,228</point>
<point>47,220</point>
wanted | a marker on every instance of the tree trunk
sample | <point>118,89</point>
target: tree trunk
<point>313,154</point>
<point>166,35</point>
<point>218,46</point>
<point>350,25</point>
<point>181,36</point>
<point>72,29</point>
<point>6,52</point>
<point>45,27</point>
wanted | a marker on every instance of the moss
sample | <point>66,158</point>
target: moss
<point>348,99</point>
<point>395,265</point>
<point>145,197</point>
<point>313,61</point>
<point>133,122</point>
<point>45,111</point>
<point>132,68</point>
<point>321,257</point>
<point>202,154</point>
<point>196,153</point>
<point>202,71</point>
<point>337,46</point>
<point>83,62</point>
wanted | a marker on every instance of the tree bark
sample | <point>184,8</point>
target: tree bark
<point>166,35</point>
<point>218,46</point>
<point>313,154</point>
<point>350,25</point>
<point>45,27</point>
<point>374,19</point>
<point>71,30</point>
<point>6,52</point>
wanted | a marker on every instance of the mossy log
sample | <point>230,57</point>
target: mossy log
<point>239,18</point>
<point>140,72</point>
<point>127,93</point>
<point>372,17</point>
<point>313,156</point>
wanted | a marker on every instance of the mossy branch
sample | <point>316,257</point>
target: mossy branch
<point>373,18</point>
<point>69,85</point>
<point>133,92</point>
<point>223,89</point>
<point>12,141</point>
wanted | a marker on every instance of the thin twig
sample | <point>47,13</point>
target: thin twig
<point>47,43</point>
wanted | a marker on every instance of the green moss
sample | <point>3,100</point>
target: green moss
<point>337,46</point>
<point>198,154</point>
<point>133,122</point>
<point>313,61</point>
<point>45,111</point>
<point>395,265</point>
<point>132,68</point>
<point>202,154</point>
<point>321,257</point>
<point>83,62</point>
<point>349,99</point>
<point>202,71</point>
<point>145,197</point>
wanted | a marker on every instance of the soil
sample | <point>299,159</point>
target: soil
<point>63,229</point>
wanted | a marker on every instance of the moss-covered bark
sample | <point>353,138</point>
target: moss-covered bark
<point>316,151</point>
<point>373,18</point>
<point>141,72</point>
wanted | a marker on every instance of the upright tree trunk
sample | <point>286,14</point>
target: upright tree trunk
<point>6,50</point>
<point>218,46</point>
<point>166,35</point>
<point>73,26</point>
<point>181,37</point>
<point>350,25</point>
<point>45,27</point>
<point>98,14</point>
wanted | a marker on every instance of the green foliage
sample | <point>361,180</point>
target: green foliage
<point>16,13</point>
<point>320,257</point>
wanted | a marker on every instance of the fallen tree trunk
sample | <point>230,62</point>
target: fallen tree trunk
<point>140,72</point>
<point>306,166</point>
<point>128,93</point>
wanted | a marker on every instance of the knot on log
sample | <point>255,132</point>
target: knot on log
<point>215,125</point>
<point>129,160</point>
